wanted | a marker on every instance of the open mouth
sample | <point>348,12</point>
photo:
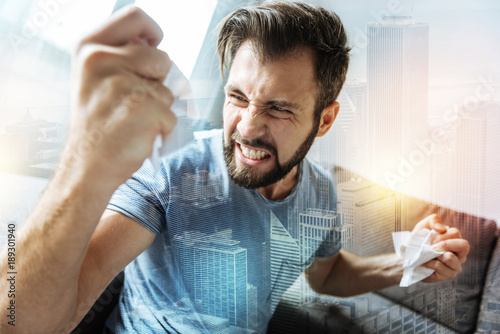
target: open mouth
<point>253,153</point>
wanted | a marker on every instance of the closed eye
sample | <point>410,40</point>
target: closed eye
<point>237,97</point>
<point>280,113</point>
<point>237,100</point>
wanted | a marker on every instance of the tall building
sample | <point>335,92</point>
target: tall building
<point>369,214</point>
<point>320,197</point>
<point>285,256</point>
<point>397,90</point>
<point>253,306</point>
<point>344,139</point>
<point>201,189</point>
<point>477,147</point>
<point>285,268</point>
<point>357,94</point>
<point>321,233</point>
<point>478,177</point>
<point>215,274</point>
<point>351,192</point>
<point>345,145</point>
<point>375,221</point>
<point>442,162</point>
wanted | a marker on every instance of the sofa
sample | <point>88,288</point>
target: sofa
<point>468,304</point>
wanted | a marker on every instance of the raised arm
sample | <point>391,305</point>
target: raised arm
<point>118,107</point>
<point>347,274</point>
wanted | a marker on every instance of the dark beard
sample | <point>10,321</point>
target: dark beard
<point>248,177</point>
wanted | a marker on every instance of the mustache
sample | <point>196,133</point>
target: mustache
<point>257,143</point>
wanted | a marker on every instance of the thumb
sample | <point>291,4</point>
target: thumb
<point>432,222</point>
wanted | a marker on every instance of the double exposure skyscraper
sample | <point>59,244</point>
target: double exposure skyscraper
<point>397,90</point>
<point>201,189</point>
<point>215,271</point>
<point>478,145</point>
<point>321,233</point>
<point>344,139</point>
<point>477,161</point>
<point>369,214</point>
<point>345,144</point>
<point>285,257</point>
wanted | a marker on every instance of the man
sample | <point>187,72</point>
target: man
<point>197,237</point>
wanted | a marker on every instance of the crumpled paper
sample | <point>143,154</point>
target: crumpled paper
<point>178,85</point>
<point>416,249</point>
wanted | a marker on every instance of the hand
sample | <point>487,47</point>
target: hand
<point>119,102</point>
<point>449,240</point>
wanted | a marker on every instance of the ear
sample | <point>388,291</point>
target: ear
<point>328,116</point>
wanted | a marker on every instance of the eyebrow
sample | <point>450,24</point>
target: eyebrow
<point>282,103</point>
<point>233,88</point>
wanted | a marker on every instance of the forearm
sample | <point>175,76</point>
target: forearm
<point>50,250</point>
<point>112,133</point>
<point>348,274</point>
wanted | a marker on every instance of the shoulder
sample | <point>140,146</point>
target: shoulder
<point>320,184</point>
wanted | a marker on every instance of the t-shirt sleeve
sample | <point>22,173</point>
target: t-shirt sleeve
<point>138,199</point>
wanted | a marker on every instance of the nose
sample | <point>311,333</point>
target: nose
<point>252,124</point>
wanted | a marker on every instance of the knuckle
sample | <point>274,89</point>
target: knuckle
<point>135,12</point>
<point>170,121</point>
<point>167,95</point>
<point>453,232</point>
<point>438,266</point>
<point>448,257</point>
<point>435,218</point>
<point>432,264</point>
<point>93,57</point>
<point>444,243</point>
<point>466,246</point>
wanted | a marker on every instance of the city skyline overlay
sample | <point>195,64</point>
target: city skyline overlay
<point>390,145</point>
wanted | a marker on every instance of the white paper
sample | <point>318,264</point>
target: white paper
<point>179,85</point>
<point>416,249</point>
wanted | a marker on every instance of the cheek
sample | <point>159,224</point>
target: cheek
<point>230,120</point>
<point>288,139</point>
<point>280,128</point>
<point>284,136</point>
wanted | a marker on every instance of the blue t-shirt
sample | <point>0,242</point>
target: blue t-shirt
<point>223,255</point>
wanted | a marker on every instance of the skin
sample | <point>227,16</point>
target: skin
<point>70,247</point>
<point>270,108</point>
<point>60,248</point>
<point>347,274</point>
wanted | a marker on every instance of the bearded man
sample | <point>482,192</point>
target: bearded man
<point>200,238</point>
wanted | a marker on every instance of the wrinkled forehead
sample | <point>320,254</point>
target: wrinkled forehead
<point>288,81</point>
<point>296,67</point>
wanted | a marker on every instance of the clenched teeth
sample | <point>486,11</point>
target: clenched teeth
<point>253,154</point>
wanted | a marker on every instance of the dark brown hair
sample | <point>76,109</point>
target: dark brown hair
<point>277,28</point>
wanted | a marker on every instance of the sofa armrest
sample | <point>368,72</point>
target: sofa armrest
<point>94,320</point>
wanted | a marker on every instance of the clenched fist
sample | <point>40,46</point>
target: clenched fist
<point>450,241</point>
<point>119,104</point>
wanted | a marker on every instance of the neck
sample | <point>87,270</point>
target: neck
<point>281,189</point>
